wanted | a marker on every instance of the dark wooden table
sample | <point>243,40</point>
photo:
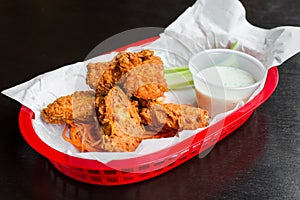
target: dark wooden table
<point>260,160</point>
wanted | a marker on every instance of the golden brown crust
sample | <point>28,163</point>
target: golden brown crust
<point>145,81</point>
<point>121,123</point>
<point>173,117</point>
<point>118,142</point>
<point>142,71</point>
<point>124,118</point>
<point>94,72</point>
<point>193,118</point>
<point>162,117</point>
<point>76,107</point>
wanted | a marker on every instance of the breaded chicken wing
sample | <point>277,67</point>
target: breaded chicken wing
<point>94,73</point>
<point>121,123</point>
<point>119,129</point>
<point>141,74</point>
<point>80,106</point>
<point>171,118</point>
<point>124,107</point>
<point>145,81</point>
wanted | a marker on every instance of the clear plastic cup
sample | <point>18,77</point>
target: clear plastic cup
<point>232,77</point>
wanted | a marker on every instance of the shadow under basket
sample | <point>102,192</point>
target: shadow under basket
<point>126,171</point>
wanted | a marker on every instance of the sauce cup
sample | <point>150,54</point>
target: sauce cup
<point>224,77</point>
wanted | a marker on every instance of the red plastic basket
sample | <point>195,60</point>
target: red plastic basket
<point>118,172</point>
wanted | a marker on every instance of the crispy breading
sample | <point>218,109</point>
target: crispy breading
<point>79,106</point>
<point>94,72</point>
<point>119,128</point>
<point>162,117</point>
<point>193,117</point>
<point>140,73</point>
<point>124,107</point>
<point>169,117</point>
<point>145,81</point>
<point>121,123</point>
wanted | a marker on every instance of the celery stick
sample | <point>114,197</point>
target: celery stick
<point>235,45</point>
<point>176,69</point>
<point>179,77</point>
<point>231,60</point>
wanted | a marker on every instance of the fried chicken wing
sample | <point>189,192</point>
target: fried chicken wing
<point>121,123</point>
<point>94,72</point>
<point>80,106</point>
<point>141,74</point>
<point>119,129</point>
<point>171,118</point>
<point>145,81</point>
<point>124,107</point>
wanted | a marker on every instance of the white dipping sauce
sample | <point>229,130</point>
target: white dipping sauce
<point>227,76</point>
<point>218,88</point>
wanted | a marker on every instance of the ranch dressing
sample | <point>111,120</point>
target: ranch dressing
<point>220,88</point>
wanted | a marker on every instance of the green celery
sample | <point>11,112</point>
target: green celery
<point>179,77</point>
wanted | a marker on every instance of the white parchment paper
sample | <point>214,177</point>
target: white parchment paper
<point>207,24</point>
